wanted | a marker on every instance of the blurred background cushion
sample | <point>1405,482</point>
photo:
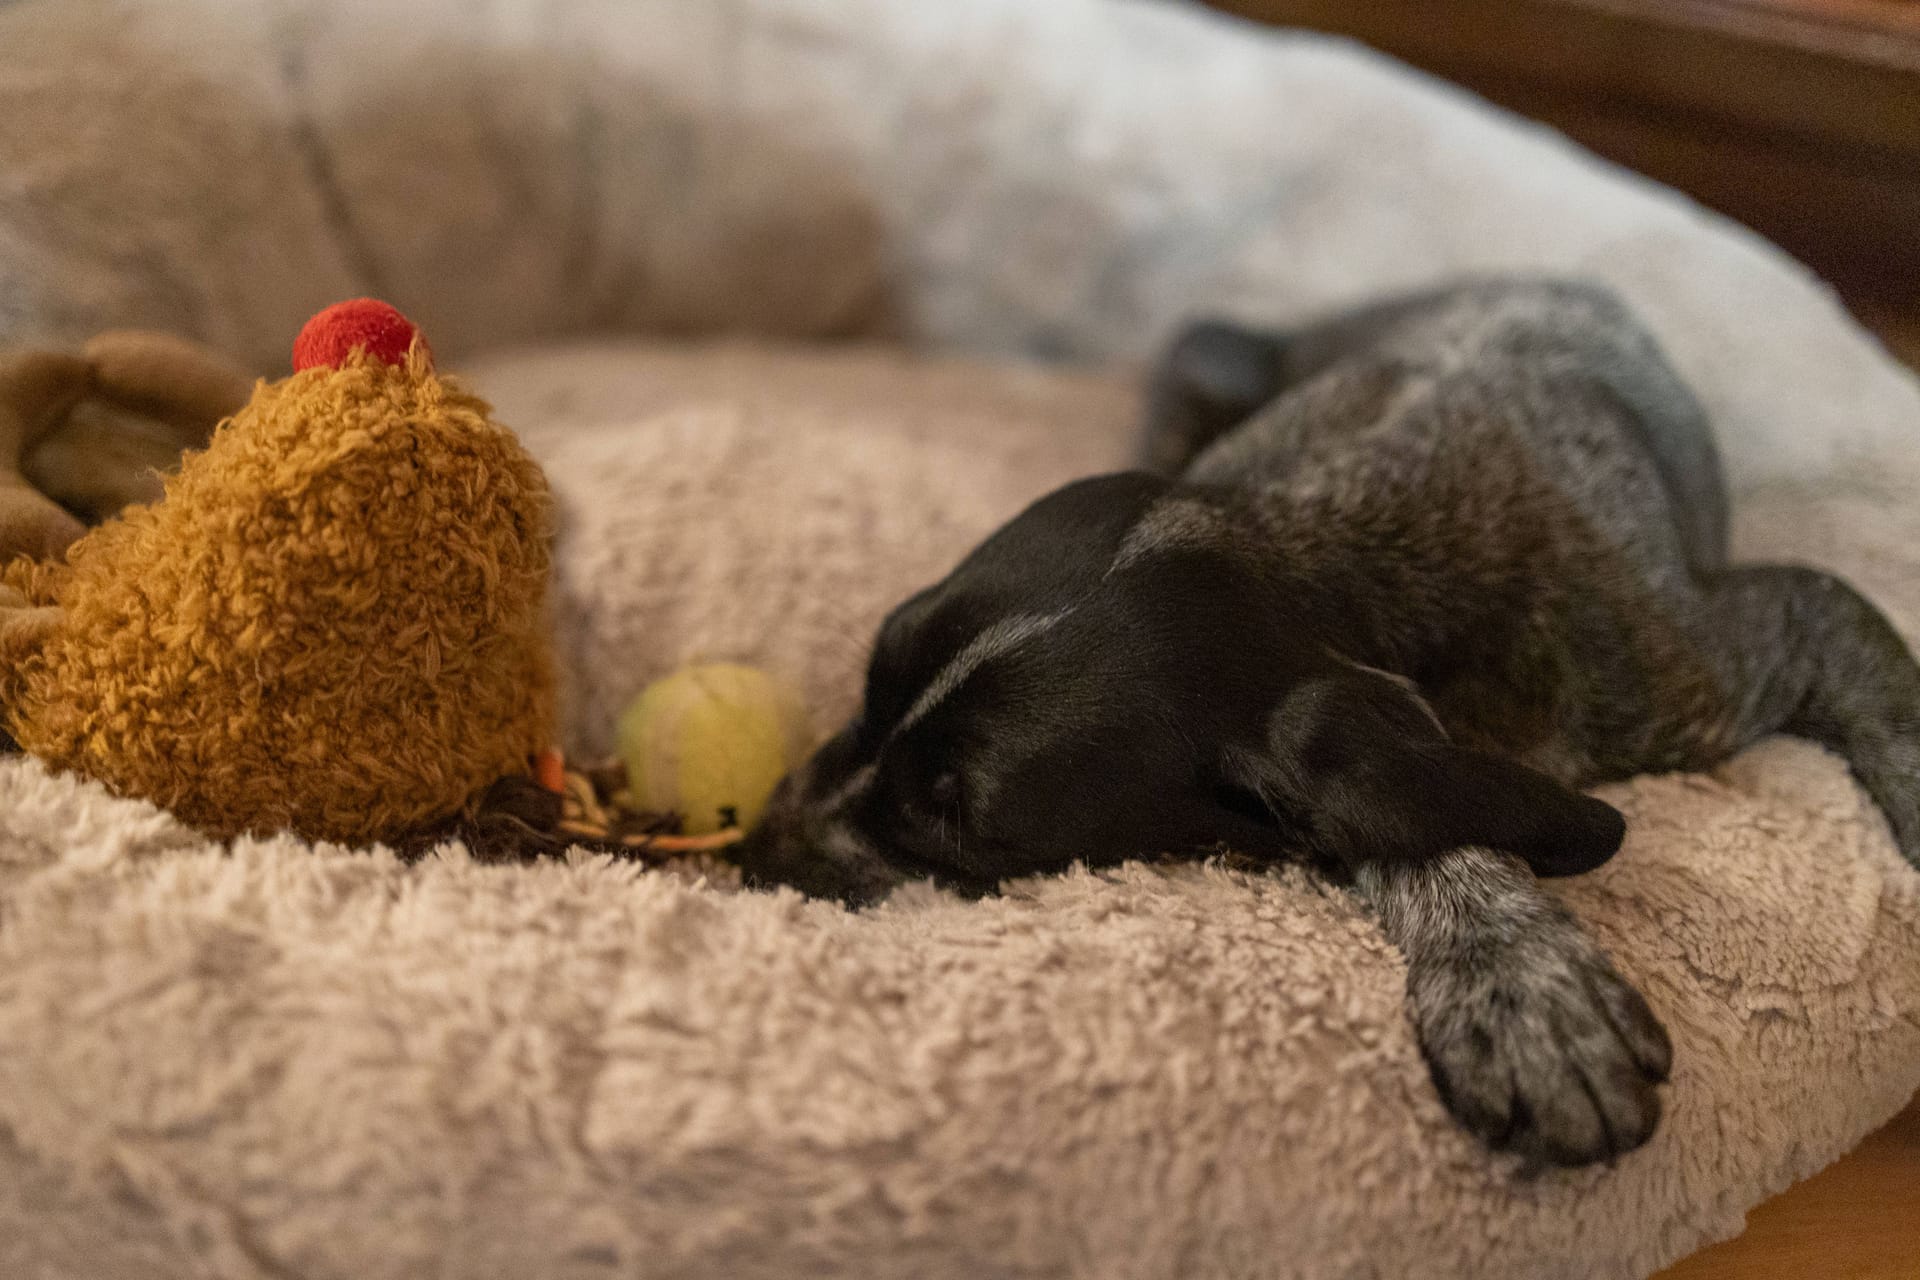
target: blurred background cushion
<point>1062,180</point>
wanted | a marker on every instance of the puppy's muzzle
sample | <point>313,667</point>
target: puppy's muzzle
<point>816,849</point>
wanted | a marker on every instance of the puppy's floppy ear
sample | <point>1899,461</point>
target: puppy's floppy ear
<point>1358,760</point>
<point>1214,376</point>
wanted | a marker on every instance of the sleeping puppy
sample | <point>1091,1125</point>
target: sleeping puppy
<point>1386,592</point>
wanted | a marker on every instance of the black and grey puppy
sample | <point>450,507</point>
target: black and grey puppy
<point>1389,590</point>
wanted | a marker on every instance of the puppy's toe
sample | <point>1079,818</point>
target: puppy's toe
<point>1474,1081</point>
<point>1633,1020</point>
<point>1540,1048</point>
<point>1586,1094</point>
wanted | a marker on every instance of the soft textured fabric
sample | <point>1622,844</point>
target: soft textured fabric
<point>334,622</point>
<point>278,1060</point>
<point>272,1060</point>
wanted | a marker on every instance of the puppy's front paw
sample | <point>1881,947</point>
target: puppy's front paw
<point>1538,1045</point>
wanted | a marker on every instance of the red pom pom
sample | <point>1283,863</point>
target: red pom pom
<point>363,323</point>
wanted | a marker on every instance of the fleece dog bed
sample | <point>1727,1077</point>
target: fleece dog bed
<point>272,1059</point>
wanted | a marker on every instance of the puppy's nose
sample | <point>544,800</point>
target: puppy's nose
<point>773,855</point>
<point>770,857</point>
<point>754,856</point>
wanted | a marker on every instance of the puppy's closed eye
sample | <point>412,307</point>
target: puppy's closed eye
<point>944,791</point>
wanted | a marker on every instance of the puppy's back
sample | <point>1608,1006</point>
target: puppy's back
<point>1491,384</point>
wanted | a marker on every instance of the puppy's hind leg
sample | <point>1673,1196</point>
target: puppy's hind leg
<point>1806,654</point>
<point>1216,374</point>
<point>1213,377</point>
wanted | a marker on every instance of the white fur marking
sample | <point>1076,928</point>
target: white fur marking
<point>861,779</point>
<point>1166,526</point>
<point>1002,637</point>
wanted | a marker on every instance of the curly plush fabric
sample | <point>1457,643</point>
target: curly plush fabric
<point>333,622</point>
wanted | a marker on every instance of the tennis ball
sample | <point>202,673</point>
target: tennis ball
<point>710,743</point>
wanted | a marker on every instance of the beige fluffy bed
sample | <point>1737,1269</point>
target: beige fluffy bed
<point>273,1060</point>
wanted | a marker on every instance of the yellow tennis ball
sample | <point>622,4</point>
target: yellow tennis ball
<point>710,743</point>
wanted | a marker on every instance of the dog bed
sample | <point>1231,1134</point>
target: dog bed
<point>273,1060</point>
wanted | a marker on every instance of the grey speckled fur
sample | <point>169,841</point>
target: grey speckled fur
<point>1508,500</point>
<point>1516,504</point>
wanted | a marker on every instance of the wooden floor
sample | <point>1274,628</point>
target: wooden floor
<point>1858,1220</point>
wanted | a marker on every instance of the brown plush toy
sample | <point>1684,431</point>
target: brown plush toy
<point>332,623</point>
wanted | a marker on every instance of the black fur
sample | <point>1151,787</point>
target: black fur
<point>1388,590</point>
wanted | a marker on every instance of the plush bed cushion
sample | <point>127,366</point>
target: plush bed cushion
<point>283,1060</point>
<point>273,1060</point>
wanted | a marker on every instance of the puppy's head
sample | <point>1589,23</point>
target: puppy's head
<point>1059,697</point>
<point>1114,675</point>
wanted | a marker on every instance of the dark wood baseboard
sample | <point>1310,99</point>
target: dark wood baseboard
<point>1800,118</point>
